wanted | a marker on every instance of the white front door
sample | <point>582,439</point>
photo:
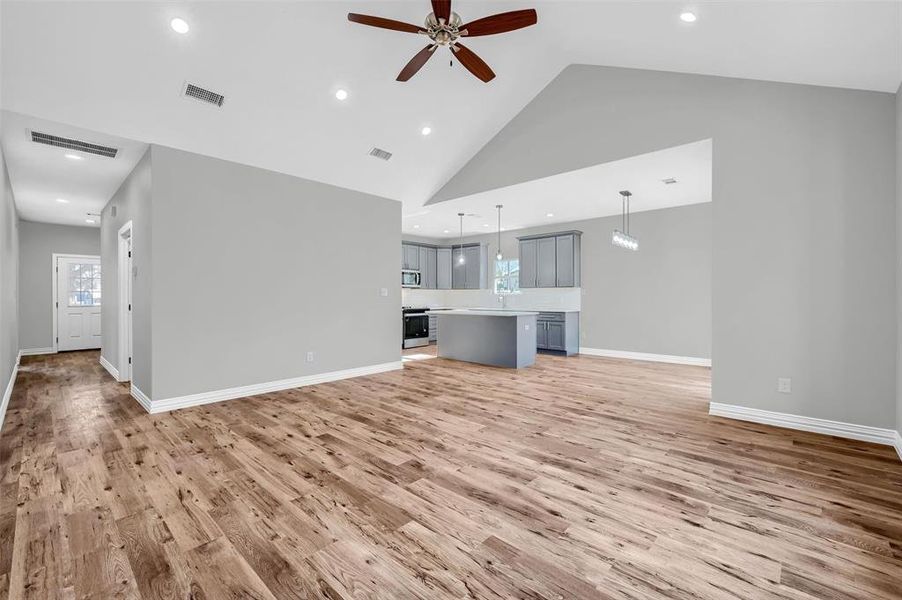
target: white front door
<point>78,302</point>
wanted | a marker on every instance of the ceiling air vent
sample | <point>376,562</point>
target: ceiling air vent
<point>70,144</point>
<point>380,153</point>
<point>204,95</point>
<point>669,181</point>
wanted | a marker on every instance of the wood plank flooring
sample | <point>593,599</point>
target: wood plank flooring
<point>577,478</point>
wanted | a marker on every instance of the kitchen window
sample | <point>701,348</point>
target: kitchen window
<point>507,276</point>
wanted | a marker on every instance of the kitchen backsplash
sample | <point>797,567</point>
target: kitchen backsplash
<point>528,299</point>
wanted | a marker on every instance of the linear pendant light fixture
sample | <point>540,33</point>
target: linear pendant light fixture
<point>623,238</point>
<point>499,256</point>
<point>460,260</point>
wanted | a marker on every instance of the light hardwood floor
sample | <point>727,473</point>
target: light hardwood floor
<point>577,478</point>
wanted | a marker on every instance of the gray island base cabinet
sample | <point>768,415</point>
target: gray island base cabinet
<point>495,338</point>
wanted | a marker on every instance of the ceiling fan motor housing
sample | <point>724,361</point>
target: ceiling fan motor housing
<point>441,32</point>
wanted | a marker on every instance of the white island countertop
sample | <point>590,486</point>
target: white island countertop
<point>481,312</point>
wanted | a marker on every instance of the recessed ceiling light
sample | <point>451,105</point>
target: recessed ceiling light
<point>688,17</point>
<point>549,214</point>
<point>485,224</point>
<point>446,231</point>
<point>341,94</point>
<point>91,221</point>
<point>179,25</point>
<point>416,226</point>
<point>74,157</point>
<point>62,201</point>
<point>426,130</point>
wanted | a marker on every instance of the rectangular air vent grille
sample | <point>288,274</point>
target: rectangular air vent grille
<point>380,153</point>
<point>70,144</point>
<point>199,93</point>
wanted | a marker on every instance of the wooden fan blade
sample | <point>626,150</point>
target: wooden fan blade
<point>473,63</point>
<point>500,23</point>
<point>416,63</point>
<point>442,9</point>
<point>383,23</point>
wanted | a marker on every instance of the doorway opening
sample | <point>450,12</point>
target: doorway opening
<point>76,302</point>
<point>125,242</point>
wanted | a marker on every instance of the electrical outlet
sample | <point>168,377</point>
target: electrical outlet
<point>784,385</point>
<point>310,357</point>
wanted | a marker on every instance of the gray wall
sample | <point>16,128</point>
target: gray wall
<point>9,264</point>
<point>899,259</point>
<point>37,244</point>
<point>252,269</point>
<point>133,203</point>
<point>656,300</point>
<point>803,219</point>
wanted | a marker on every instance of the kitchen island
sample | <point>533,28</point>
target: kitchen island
<point>500,338</point>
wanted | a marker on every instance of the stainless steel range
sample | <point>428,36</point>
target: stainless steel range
<point>415,326</point>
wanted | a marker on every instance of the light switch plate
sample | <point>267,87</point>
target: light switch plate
<point>310,357</point>
<point>784,385</point>
<point>383,292</point>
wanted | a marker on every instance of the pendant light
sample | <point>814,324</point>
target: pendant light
<point>461,260</point>
<point>499,256</point>
<point>623,239</point>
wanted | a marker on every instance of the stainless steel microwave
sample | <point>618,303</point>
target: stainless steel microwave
<point>410,279</point>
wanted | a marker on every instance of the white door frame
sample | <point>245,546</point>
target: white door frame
<point>126,232</point>
<point>54,308</point>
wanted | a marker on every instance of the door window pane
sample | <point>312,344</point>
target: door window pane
<point>84,284</point>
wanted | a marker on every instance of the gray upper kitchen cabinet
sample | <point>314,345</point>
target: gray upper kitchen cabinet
<point>428,274</point>
<point>546,262</point>
<point>410,257</point>
<point>471,274</point>
<point>550,260</point>
<point>528,263</point>
<point>473,256</point>
<point>443,268</point>
<point>458,270</point>
<point>567,260</point>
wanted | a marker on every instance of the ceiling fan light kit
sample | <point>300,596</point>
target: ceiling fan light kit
<point>445,28</point>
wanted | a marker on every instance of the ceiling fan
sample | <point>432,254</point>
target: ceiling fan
<point>445,28</point>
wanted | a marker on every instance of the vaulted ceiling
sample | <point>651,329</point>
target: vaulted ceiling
<point>118,68</point>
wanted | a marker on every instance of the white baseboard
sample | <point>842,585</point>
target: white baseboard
<point>664,358</point>
<point>36,351</point>
<point>141,397</point>
<point>898,444</point>
<point>167,404</point>
<point>109,367</point>
<point>864,433</point>
<point>8,392</point>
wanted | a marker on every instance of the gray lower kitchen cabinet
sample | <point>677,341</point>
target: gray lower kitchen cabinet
<point>546,260</point>
<point>550,260</point>
<point>528,264</point>
<point>558,331</point>
<point>541,335</point>
<point>443,268</point>
<point>433,328</point>
<point>555,337</point>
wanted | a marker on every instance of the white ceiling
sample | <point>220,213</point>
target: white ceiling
<point>41,174</point>
<point>117,67</point>
<point>582,194</point>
